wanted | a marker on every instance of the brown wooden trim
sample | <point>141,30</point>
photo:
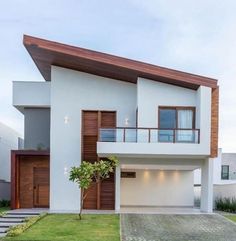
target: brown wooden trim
<point>214,121</point>
<point>46,53</point>
<point>30,152</point>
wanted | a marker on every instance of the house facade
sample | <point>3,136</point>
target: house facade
<point>9,139</point>
<point>162,124</point>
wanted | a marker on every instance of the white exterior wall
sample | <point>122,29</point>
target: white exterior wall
<point>203,117</point>
<point>207,186</point>
<point>8,142</point>
<point>158,188</point>
<point>31,94</point>
<point>152,94</point>
<point>72,92</point>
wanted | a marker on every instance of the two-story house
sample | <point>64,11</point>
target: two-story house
<point>162,124</point>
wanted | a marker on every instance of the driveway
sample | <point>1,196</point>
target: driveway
<point>162,227</point>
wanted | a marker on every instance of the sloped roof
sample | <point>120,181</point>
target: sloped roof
<point>46,53</point>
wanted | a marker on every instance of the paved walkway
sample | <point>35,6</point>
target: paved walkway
<point>159,210</point>
<point>165,227</point>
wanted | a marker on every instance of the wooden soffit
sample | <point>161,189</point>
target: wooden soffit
<point>46,53</point>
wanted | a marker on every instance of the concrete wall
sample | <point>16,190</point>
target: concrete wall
<point>8,142</point>
<point>152,94</point>
<point>219,190</point>
<point>158,188</point>
<point>72,92</point>
<point>225,190</point>
<point>5,190</point>
<point>31,94</point>
<point>37,128</point>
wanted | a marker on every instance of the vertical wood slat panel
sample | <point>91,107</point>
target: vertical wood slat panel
<point>214,121</point>
<point>92,121</point>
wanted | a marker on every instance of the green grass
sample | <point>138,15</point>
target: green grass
<point>3,209</point>
<point>231,217</point>
<point>64,227</point>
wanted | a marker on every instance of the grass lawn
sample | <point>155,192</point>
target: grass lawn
<point>68,227</point>
<point>3,209</point>
<point>231,217</point>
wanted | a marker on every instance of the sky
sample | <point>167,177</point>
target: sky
<point>197,36</point>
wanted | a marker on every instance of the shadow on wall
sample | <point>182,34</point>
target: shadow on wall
<point>5,189</point>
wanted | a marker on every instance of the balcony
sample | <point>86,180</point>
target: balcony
<point>149,135</point>
<point>151,142</point>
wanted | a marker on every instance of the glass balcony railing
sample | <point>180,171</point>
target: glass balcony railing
<point>149,135</point>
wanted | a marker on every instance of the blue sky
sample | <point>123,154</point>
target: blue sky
<point>193,36</point>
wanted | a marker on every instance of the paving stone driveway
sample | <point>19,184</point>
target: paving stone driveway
<point>161,227</point>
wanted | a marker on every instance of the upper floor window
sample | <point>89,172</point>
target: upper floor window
<point>177,124</point>
<point>225,172</point>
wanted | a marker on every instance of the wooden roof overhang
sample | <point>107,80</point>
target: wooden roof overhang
<point>46,53</point>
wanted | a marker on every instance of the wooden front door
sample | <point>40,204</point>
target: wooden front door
<point>103,196</point>
<point>41,187</point>
<point>32,188</point>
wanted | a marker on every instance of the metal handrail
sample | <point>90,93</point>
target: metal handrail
<point>175,137</point>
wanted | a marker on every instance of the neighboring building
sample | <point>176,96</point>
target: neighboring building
<point>162,124</point>
<point>9,139</point>
<point>224,169</point>
<point>224,179</point>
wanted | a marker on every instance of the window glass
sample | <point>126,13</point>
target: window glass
<point>167,118</point>
<point>173,123</point>
<point>225,172</point>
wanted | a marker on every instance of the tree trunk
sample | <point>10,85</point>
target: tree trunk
<point>81,203</point>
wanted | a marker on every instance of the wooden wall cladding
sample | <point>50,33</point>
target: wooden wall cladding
<point>99,196</point>
<point>107,197</point>
<point>214,121</point>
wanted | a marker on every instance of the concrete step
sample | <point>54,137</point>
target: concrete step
<point>7,225</point>
<point>11,220</point>
<point>18,216</point>
<point>3,230</point>
<point>22,213</point>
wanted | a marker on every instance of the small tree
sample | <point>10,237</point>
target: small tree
<point>87,172</point>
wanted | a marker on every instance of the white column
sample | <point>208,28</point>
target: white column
<point>117,191</point>
<point>207,186</point>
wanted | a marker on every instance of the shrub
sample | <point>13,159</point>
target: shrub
<point>226,204</point>
<point>18,229</point>
<point>4,203</point>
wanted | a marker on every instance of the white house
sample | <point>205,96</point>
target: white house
<point>9,140</point>
<point>162,124</point>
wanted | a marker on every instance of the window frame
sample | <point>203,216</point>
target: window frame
<point>227,178</point>
<point>176,108</point>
